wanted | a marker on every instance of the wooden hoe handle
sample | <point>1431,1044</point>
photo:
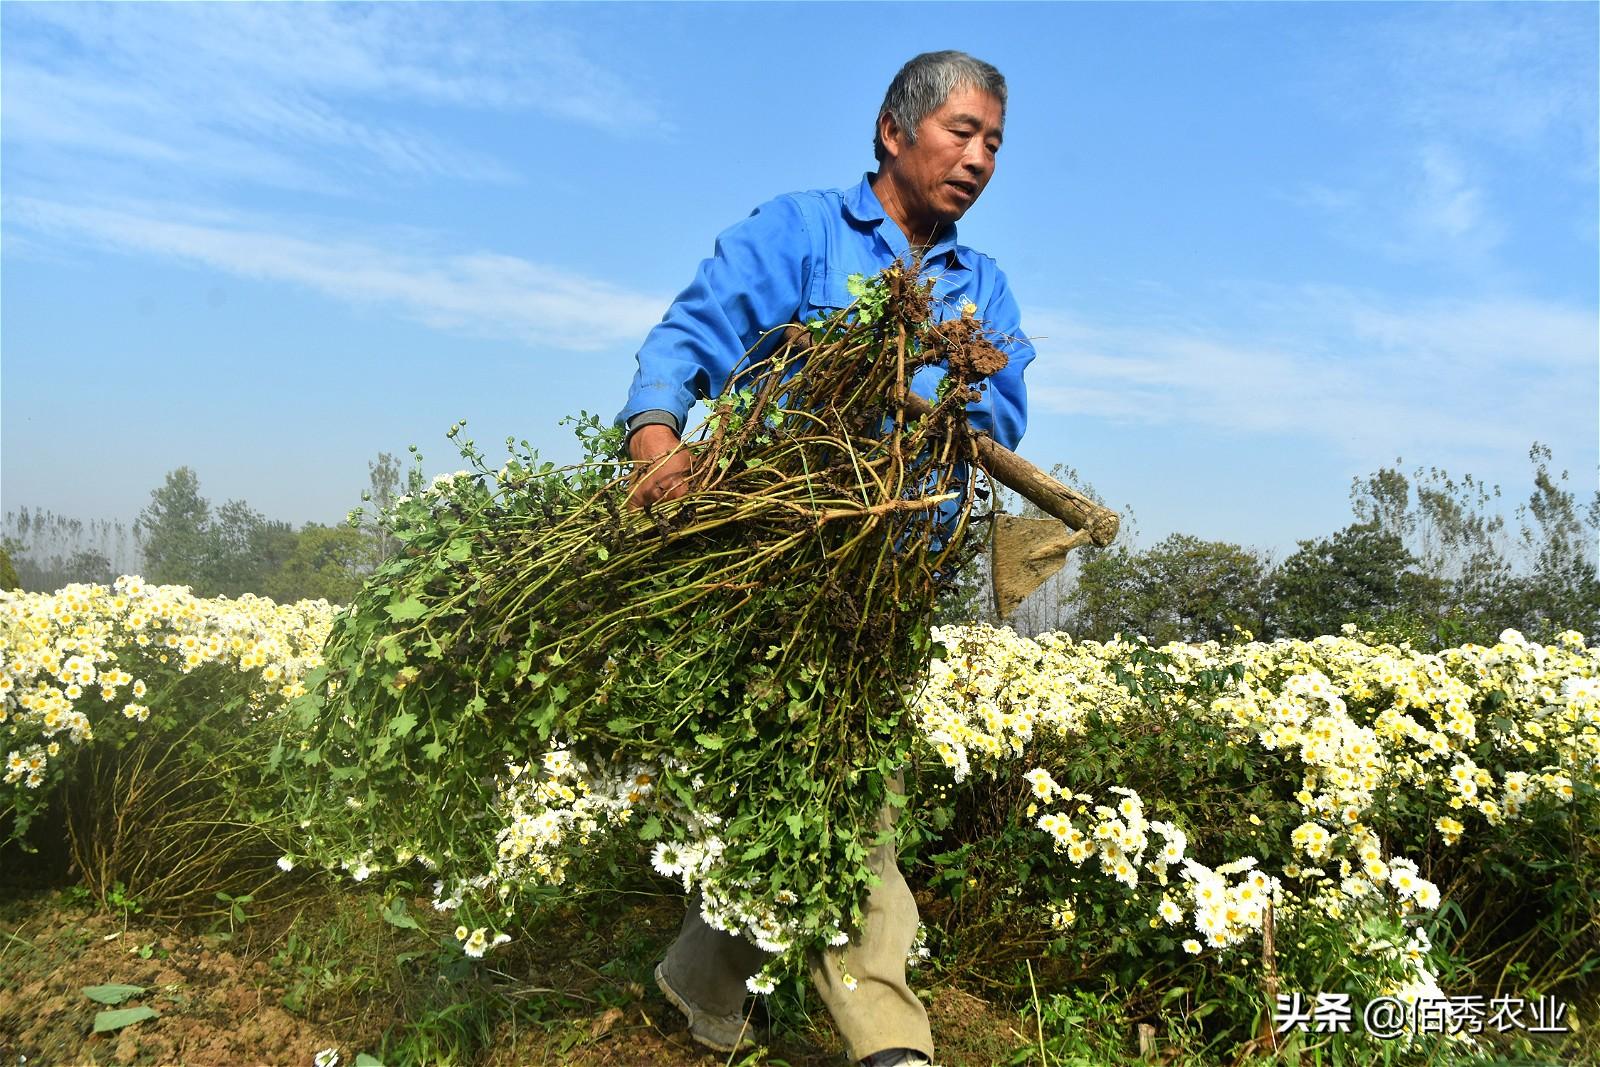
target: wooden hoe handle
<point>1037,487</point>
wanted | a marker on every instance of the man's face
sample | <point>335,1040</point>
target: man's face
<point>942,174</point>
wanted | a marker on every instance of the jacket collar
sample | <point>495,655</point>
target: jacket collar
<point>862,204</point>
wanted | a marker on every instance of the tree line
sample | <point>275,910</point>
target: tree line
<point>1427,557</point>
<point>180,538</point>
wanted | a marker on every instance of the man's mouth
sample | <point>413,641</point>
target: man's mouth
<point>969,189</point>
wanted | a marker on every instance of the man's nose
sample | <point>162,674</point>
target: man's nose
<point>976,160</point>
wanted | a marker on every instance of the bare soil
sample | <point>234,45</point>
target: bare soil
<point>215,1007</point>
<point>584,994</point>
<point>971,1031</point>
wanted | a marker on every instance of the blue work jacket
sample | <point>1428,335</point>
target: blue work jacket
<point>788,262</point>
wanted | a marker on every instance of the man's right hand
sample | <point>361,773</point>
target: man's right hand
<point>661,465</point>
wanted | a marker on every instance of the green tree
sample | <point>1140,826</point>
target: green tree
<point>174,530</point>
<point>327,562</point>
<point>1558,539</point>
<point>1451,526</point>
<point>1360,574</point>
<point>384,487</point>
<point>8,574</point>
<point>244,549</point>
<point>1482,581</point>
<point>1181,589</point>
<point>49,551</point>
<point>223,552</point>
<point>89,565</point>
<point>383,475</point>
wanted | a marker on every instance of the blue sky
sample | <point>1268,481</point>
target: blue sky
<point>1263,248</point>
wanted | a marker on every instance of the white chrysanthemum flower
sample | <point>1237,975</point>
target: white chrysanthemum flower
<point>1043,785</point>
<point>667,859</point>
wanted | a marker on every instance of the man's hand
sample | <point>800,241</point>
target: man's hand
<point>661,465</point>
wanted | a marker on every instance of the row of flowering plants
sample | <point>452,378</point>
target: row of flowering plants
<point>1404,817</point>
<point>144,692</point>
<point>1412,822</point>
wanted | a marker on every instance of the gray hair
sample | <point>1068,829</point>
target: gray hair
<point>926,82</point>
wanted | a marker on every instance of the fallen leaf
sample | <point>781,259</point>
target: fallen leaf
<point>106,1021</point>
<point>605,1022</point>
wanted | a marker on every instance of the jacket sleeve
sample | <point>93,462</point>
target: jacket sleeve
<point>751,284</point>
<point>1002,411</point>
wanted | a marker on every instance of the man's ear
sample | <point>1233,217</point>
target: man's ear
<point>890,134</point>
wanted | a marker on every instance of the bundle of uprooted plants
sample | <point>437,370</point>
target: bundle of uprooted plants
<point>726,674</point>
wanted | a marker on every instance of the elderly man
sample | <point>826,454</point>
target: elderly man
<point>938,134</point>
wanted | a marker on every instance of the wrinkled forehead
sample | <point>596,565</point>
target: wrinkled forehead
<point>966,104</point>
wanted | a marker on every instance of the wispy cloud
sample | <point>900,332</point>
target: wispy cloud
<point>1456,100</point>
<point>298,95</point>
<point>1511,74</point>
<point>1337,369</point>
<point>482,293</point>
<point>1447,203</point>
<point>1427,204</point>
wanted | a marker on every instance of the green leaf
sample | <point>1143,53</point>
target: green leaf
<point>459,551</point>
<point>395,915</point>
<point>112,993</point>
<point>365,1060</point>
<point>107,1021</point>
<point>433,750</point>
<point>710,742</point>
<point>306,708</point>
<point>650,830</point>
<point>407,609</point>
<point>402,724</point>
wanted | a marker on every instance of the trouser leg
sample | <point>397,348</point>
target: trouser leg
<point>708,967</point>
<point>881,1012</point>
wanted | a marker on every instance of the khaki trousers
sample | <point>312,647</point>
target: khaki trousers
<point>709,967</point>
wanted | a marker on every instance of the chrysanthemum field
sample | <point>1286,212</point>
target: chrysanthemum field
<point>1191,853</point>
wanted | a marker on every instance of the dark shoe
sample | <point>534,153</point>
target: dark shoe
<point>724,1033</point>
